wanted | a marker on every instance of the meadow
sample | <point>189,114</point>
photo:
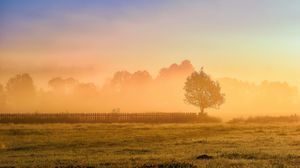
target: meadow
<point>150,145</point>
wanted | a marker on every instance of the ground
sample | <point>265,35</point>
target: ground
<point>149,145</point>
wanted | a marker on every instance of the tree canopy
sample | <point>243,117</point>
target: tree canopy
<point>202,91</point>
<point>20,86</point>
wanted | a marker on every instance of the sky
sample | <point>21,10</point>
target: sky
<point>251,40</point>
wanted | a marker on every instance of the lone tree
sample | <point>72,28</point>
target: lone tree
<point>202,91</point>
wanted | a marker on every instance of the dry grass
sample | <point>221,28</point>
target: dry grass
<point>149,145</point>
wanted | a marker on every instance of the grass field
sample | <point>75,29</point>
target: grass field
<point>149,145</point>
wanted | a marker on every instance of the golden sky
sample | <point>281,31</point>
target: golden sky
<point>251,40</point>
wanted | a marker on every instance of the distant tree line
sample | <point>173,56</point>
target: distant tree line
<point>125,91</point>
<point>141,92</point>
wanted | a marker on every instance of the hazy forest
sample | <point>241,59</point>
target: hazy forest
<point>140,92</point>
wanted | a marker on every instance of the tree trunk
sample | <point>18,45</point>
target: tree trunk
<point>201,110</point>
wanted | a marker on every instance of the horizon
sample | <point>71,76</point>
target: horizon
<point>43,84</point>
<point>139,91</point>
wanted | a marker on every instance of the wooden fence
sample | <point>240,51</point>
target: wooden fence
<point>105,118</point>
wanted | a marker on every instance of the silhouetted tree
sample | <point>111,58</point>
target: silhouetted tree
<point>20,91</point>
<point>203,92</point>
<point>86,90</point>
<point>140,78</point>
<point>2,98</point>
<point>120,79</point>
<point>63,86</point>
<point>176,70</point>
<point>279,93</point>
<point>20,85</point>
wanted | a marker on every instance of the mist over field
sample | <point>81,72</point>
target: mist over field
<point>139,91</point>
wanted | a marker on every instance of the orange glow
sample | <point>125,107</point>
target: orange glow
<point>141,92</point>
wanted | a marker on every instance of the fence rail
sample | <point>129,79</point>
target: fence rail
<point>156,117</point>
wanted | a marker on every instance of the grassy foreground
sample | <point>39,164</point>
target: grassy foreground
<point>147,145</point>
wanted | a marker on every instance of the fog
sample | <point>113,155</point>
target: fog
<point>139,91</point>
